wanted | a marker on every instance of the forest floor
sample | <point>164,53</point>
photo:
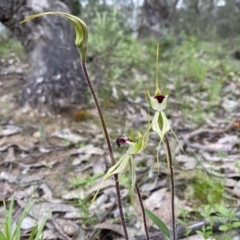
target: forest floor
<point>56,163</point>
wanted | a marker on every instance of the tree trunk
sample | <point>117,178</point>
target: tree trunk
<point>155,14</point>
<point>55,76</point>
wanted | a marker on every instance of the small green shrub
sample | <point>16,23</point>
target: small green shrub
<point>207,190</point>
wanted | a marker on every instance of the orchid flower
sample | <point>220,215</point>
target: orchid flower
<point>126,162</point>
<point>158,102</point>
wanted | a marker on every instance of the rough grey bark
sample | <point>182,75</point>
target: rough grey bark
<point>155,14</point>
<point>155,11</point>
<point>55,77</point>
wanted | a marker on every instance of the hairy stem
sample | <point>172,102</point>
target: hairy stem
<point>143,211</point>
<point>172,187</point>
<point>109,147</point>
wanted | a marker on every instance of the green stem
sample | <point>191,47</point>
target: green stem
<point>172,187</point>
<point>157,86</point>
<point>109,147</point>
<point>143,211</point>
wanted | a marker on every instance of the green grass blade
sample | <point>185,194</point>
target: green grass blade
<point>33,232</point>
<point>161,225</point>
<point>10,214</point>
<point>41,226</point>
<point>2,237</point>
<point>8,219</point>
<point>16,234</point>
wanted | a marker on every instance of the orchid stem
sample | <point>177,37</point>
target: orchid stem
<point>172,187</point>
<point>113,161</point>
<point>143,211</point>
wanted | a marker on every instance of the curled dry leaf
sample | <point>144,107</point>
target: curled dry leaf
<point>154,200</point>
<point>10,157</point>
<point>88,149</point>
<point>68,135</point>
<point>186,162</point>
<point>117,229</point>
<point>74,194</point>
<point>10,129</point>
<point>69,227</point>
<point>28,223</point>
<point>236,189</point>
<point>8,177</point>
<point>99,166</point>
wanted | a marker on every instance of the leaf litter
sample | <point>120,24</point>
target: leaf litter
<point>38,167</point>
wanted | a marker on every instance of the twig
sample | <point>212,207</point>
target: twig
<point>172,187</point>
<point>109,147</point>
<point>143,210</point>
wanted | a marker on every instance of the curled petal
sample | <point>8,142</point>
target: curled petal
<point>79,26</point>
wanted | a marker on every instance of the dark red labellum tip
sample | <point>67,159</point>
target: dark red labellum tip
<point>159,98</point>
<point>122,140</point>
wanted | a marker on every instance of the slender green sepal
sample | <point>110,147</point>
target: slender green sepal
<point>157,87</point>
<point>79,25</point>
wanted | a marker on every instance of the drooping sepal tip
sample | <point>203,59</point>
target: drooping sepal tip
<point>80,28</point>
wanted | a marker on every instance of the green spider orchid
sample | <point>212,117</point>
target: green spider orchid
<point>158,102</point>
<point>126,162</point>
<point>79,25</point>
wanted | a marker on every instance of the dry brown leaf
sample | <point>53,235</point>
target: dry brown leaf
<point>10,157</point>
<point>74,194</point>
<point>10,129</point>
<point>41,210</point>
<point>154,200</point>
<point>8,177</point>
<point>28,223</point>
<point>81,158</point>
<point>194,237</point>
<point>49,235</point>
<point>68,227</point>
<point>88,149</point>
<point>236,189</point>
<point>99,166</point>
<point>186,162</point>
<point>117,229</point>
<point>2,141</point>
<point>68,135</point>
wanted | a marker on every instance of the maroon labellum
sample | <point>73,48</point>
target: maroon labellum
<point>123,140</point>
<point>159,98</point>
